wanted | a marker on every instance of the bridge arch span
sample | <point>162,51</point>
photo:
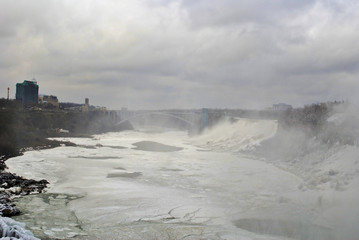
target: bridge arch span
<point>157,113</point>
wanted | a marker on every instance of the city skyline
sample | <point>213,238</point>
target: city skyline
<point>182,54</point>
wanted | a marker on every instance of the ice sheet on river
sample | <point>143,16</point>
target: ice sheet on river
<point>191,194</point>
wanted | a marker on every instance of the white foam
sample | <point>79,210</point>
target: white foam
<point>243,134</point>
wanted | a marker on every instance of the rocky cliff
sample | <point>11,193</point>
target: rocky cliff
<point>20,128</point>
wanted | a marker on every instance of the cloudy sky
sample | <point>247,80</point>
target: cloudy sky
<point>183,53</point>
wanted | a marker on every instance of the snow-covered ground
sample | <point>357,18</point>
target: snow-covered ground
<point>208,189</point>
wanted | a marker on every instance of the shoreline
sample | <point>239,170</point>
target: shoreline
<point>329,171</point>
<point>13,186</point>
<point>24,130</point>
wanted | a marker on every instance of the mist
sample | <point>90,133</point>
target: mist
<point>214,119</point>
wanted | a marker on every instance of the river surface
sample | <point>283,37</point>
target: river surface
<point>161,185</point>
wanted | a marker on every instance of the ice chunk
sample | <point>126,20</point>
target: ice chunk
<point>10,229</point>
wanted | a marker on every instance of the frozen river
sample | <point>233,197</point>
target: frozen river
<point>166,185</point>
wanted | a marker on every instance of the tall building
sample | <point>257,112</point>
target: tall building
<point>27,92</point>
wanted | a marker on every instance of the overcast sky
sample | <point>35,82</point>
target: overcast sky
<point>182,53</point>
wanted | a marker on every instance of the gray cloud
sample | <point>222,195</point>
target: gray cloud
<point>164,54</point>
<point>231,12</point>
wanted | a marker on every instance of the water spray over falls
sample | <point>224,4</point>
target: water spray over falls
<point>232,181</point>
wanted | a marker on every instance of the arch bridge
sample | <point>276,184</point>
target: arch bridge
<point>192,118</point>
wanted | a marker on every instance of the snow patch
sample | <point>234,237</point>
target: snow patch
<point>10,229</point>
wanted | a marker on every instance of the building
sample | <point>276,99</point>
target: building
<point>49,100</point>
<point>86,106</point>
<point>281,107</point>
<point>27,92</point>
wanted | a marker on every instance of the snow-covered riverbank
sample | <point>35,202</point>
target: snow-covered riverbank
<point>106,188</point>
